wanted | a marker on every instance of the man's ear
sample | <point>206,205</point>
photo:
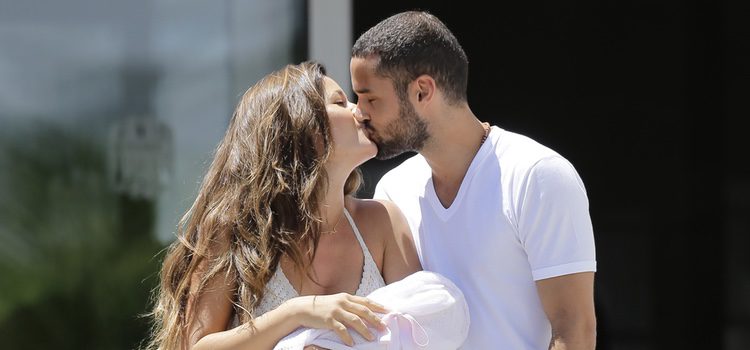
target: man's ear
<point>425,87</point>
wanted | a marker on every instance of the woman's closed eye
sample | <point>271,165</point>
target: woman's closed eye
<point>342,103</point>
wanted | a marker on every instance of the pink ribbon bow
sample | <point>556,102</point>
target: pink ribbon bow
<point>404,332</point>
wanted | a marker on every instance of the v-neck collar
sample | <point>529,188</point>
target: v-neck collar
<point>431,194</point>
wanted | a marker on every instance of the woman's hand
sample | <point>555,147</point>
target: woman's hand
<point>338,312</point>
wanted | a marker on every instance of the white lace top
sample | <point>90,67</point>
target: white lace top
<point>279,289</point>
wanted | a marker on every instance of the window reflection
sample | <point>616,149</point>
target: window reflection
<point>109,112</point>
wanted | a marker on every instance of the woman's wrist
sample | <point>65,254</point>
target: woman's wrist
<point>295,310</point>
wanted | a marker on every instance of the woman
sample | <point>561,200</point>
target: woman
<point>274,240</point>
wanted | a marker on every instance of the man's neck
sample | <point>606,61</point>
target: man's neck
<point>454,142</point>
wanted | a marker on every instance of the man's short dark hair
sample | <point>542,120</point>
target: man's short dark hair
<point>413,43</point>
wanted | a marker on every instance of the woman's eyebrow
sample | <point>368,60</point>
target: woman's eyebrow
<point>340,93</point>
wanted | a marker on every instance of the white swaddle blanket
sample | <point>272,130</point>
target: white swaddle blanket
<point>427,311</point>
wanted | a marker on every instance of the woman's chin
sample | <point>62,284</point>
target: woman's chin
<point>373,150</point>
<point>366,157</point>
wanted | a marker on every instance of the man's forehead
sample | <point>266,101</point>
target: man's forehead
<point>373,85</point>
<point>365,78</point>
<point>364,67</point>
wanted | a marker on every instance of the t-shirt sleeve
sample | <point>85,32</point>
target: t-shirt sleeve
<point>554,225</point>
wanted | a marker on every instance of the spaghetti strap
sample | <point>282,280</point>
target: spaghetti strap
<point>356,233</point>
<point>371,277</point>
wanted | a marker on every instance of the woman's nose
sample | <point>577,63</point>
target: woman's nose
<point>358,113</point>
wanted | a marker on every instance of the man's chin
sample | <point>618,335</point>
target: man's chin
<point>389,149</point>
<point>384,156</point>
<point>384,153</point>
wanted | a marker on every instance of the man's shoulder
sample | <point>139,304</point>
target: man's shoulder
<point>414,168</point>
<point>408,175</point>
<point>525,159</point>
<point>520,151</point>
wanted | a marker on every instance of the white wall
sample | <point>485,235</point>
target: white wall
<point>330,38</point>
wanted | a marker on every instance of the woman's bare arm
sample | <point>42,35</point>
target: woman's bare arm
<point>209,313</point>
<point>400,255</point>
<point>263,333</point>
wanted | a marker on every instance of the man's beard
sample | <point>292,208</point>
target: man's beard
<point>405,134</point>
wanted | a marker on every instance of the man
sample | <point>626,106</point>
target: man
<point>502,216</point>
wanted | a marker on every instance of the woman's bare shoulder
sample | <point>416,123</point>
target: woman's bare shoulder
<point>380,216</point>
<point>375,210</point>
<point>388,222</point>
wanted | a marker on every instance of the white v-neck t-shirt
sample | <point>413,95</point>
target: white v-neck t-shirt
<point>520,215</point>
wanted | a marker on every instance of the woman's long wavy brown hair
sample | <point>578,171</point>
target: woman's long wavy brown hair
<point>261,196</point>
